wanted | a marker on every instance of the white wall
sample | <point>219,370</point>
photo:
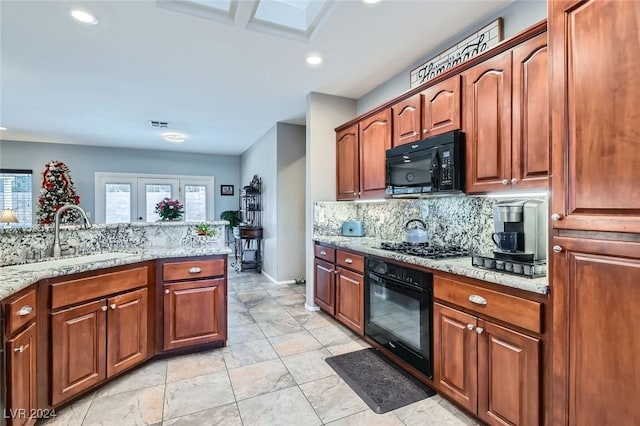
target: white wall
<point>324,114</point>
<point>84,161</point>
<point>516,17</point>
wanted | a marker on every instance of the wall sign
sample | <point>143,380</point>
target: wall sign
<point>478,42</point>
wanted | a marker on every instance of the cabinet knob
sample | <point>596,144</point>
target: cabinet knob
<point>556,216</point>
<point>104,308</point>
<point>479,330</point>
<point>348,260</point>
<point>323,253</point>
<point>112,306</point>
<point>425,131</point>
<point>557,249</point>
<point>20,349</point>
<point>514,181</point>
<point>25,310</point>
<point>195,270</point>
<point>478,300</point>
<point>167,291</point>
<point>505,182</point>
<point>470,327</point>
<point>414,133</point>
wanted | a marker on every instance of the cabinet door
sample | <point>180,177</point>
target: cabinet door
<point>347,164</point>
<point>530,146</point>
<point>127,331</point>
<point>508,376</point>
<point>78,349</point>
<point>324,294</point>
<point>21,377</point>
<point>406,120</point>
<point>441,110</point>
<point>595,114</point>
<point>487,93</point>
<point>350,300</point>
<point>194,313</point>
<point>455,355</point>
<point>595,336</point>
<point>375,139</point>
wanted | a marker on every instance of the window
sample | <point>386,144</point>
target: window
<point>123,197</point>
<point>16,193</point>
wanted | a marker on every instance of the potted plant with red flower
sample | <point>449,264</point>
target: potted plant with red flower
<point>169,209</point>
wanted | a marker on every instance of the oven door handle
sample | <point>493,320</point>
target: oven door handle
<point>394,284</point>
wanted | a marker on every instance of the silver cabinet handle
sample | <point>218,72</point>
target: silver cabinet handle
<point>556,216</point>
<point>470,327</point>
<point>25,310</point>
<point>479,330</point>
<point>514,181</point>
<point>557,249</point>
<point>112,306</point>
<point>104,308</point>
<point>167,291</point>
<point>414,133</point>
<point>20,349</point>
<point>425,131</point>
<point>478,300</point>
<point>195,270</point>
<point>505,182</point>
<point>348,260</point>
<point>323,253</point>
<point>414,146</point>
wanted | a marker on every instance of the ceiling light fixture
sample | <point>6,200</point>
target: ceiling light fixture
<point>84,17</point>
<point>3,129</point>
<point>371,1</point>
<point>174,137</point>
<point>314,59</point>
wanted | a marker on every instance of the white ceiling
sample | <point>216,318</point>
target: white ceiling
<point>221,84</point>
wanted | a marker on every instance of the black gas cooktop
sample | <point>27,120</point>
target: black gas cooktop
<point>425,250</point>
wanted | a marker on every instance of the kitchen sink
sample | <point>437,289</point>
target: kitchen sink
<point>71,261</point>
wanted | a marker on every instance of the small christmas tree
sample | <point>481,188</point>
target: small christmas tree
<point>57,190</point>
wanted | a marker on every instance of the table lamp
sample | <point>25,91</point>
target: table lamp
<point>8,216</point>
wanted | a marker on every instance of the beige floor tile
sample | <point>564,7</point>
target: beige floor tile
<point>317,321</point>
<point>333,335</point>
<point>187,366</point>
<point>244,333</point>
<point>282,290</point>
<point>276,326</point>
<point>344,348</point>
<point>151,374</point>
<point>239,318</point>
<point>290,299</point>
<point>368,418</point>
<point>332,398</point>
<point>138,407</point>
<point>248,353</point>
<point>196,394</point>
<point>308,366</point>
<point>287,407</point>
<point>290,344</point>
<point>425,412</point>
<point>261,378</point>
<point>72,415</point>
<point>227,415</point>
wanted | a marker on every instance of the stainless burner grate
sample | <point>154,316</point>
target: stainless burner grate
<point>425,250</point>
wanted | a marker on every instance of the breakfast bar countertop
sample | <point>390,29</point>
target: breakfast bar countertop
<point>460,266</point>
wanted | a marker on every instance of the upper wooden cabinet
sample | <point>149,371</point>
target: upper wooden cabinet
<point>441,108</point>
<point>347,164</point>
<point>595,114</point>
<point>507,119</point>
<point>375,139</point>
<point>406,120</point>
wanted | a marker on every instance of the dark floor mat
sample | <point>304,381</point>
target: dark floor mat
<point>382,385</point>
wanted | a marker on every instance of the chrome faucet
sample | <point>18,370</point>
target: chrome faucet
<point>56,237</point>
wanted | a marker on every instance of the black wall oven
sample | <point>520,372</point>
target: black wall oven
<point>398,311</point>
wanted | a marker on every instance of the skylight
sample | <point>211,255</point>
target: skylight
<point>218,10</point>
<point>296,17</point>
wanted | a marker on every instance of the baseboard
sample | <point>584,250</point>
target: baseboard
<point>278,282</point>
<point>313,308</point>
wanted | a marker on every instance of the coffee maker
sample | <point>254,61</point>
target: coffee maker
<point>528,219</point>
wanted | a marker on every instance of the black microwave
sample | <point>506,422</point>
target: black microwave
<point>432,165</point>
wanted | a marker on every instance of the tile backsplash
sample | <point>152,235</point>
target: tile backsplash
<point>457,220</point>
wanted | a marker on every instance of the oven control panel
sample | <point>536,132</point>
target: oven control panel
<point>397,272</point>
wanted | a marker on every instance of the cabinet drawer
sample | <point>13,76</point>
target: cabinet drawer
<point>173,271</point>
<point>511,309</point>
<point>20,311</point>
<point>85,289</point>
<point>325,253</point>
<point>352,261</point>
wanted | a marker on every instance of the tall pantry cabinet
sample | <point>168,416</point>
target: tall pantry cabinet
<point>595,211</point>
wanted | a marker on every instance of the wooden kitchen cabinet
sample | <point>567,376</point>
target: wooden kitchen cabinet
<point>406,120</point>
<point>21,375</point>
<point>374,137</point>
<point>325,286</point>
<point>441,108</point>
<point>347,164</point>
<point>126,331</point>
<point>350,299</point>
<point>195,304</point>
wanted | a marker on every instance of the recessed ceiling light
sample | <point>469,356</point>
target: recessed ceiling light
<point>314,59</point>
<point>84,17</point>
<point>371,1</point>
<point>2,129</point>
<point>174,137</point>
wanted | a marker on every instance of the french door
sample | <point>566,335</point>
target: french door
<point>150,192</point>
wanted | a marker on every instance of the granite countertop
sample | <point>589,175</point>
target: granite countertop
<point>460,266</point>
<point>15,278</point>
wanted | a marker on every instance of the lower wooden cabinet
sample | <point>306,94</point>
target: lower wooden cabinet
<point>491,370</point>
<point>21,373</point>
<point>126,330</point>
<point>325,286</point>
<point>349,304</point>
<point>194,313</point>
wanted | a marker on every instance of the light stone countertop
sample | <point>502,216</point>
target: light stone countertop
<point>460,266</point>
<point>15,278</point>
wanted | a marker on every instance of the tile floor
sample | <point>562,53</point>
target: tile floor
<point>272,372</point>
